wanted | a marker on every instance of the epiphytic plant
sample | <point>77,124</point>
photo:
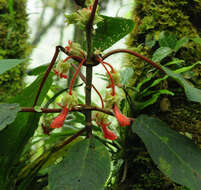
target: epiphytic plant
<point>86,165</point>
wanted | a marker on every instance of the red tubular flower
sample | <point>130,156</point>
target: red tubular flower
<point>108,134</point>
<point>122,119</point>
<point>59,120</point>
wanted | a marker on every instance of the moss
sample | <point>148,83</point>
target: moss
<point>180,17</point>
<point>13,37</point>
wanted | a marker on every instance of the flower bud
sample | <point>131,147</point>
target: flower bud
<point>111,100</point>
<point>69,100</point>
<point>75,49</point>
<point>81,17</point>
<point>62,69</point>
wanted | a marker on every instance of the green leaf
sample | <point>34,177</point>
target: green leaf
<point>197,40</point>
<point>8,113</point>
<point>126,74</point>
<point>161,53</point>
<point>110,31</point>
<point>191,92</point>
<point>187,68</point>
<point>7,64</point>
<point>167,39</point>
<point>86,166</point>
<point>174,154</point>
<point>177,62</point>
<point>153,99</point>
<point>180,43</point>
<point>38,70</point>
<point>16,135</point>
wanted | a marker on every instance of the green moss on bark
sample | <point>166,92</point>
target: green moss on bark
<point>13,37</point>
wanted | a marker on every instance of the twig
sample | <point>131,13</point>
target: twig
<point>80,108</point>
<point>132,53</point>
<point>69,140</point>
<point>84,80</point>
<point>46,74</point>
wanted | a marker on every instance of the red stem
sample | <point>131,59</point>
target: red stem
<point>84,79</point>
<point>111,67</point>
<point>67,58</point>
<point>46,74</point>
<point>112,81</point>
<point>74,76</point>
<point>69,140</point>
<point>132,53</point>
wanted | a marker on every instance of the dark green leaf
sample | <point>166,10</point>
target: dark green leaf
<point>7,64</point>
<point>110,31</point>
<point>38,70</point>
<point>86,166</point>
<point>161,53</point>
<point>8,113</point>
<point>191,92</point>
<point>16,135</point>
<point>167,39</point>
<point>175,155</point>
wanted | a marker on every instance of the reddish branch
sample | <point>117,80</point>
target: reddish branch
<point>81,108</point>
<point>69,140</point>
<point>77,58</point>
<point>132,53</point>
<point>84,80</point>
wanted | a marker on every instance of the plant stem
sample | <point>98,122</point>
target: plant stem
<point>89,69</point>
<point>112,81</point>
<point>69,140</point>
<point>79,108</point>
<point>88,113</point>
<point>74,77</point>
<point>46,74</point>
<point>157,66</point>
<point>89,28</point>
<point>84,80</point>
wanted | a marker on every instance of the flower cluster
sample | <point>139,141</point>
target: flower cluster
<point>81,17</point>
<point>110,101</point>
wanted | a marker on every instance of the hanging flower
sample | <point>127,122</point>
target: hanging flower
<point>59,120</point>
<point>108,134</point>
<point>102,121</point>
<point>122,119</point>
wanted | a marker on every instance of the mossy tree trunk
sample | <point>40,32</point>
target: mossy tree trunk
<point>13,44</point>
<point>180,17</point>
